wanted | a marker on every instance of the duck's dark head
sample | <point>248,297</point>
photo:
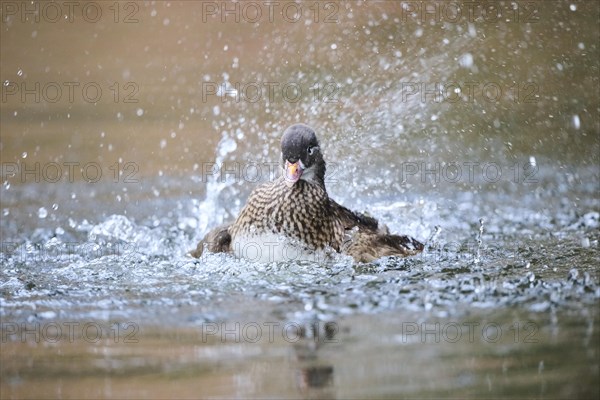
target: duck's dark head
<point>302,157</point>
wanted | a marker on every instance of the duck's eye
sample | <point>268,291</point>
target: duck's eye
<point>311,150</point>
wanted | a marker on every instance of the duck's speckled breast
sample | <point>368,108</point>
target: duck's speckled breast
<point>279,222</point>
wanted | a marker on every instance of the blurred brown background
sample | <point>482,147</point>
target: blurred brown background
<point>166,50</point>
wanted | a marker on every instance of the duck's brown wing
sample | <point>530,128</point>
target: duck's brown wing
<point>217,240</point>
<point>351,219</point>
<point>366,239</point>
<point>366,246</point>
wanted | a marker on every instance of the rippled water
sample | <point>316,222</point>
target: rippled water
<point>99,299</point>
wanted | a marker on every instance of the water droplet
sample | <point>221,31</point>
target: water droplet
<point>472,30</point>
<point>479,241</point>
<point>333,46</point>
<point>139,112</point>
<point>226,146</point>
<point>166,21</point>
<point>576,121</point>
<point>42,213</point>
<point>573,7</point>
<point>532,161</point>
<point>6,82</point>
<point>466,60</point>
<point>163,143</point>
<point>153,13</point>
<point>20,72</point>
<point>5,212</point>
<point>24,155</point>
<point>47,314</point>
<point>55,206</point>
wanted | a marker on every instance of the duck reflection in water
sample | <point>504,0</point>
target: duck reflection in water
<point>314,374</point>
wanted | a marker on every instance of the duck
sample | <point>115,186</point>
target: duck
<point>292,218</point>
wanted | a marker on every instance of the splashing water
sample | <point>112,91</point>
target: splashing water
<point>479,242</point>
<point>210,214</point>
<point>430,243</point>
